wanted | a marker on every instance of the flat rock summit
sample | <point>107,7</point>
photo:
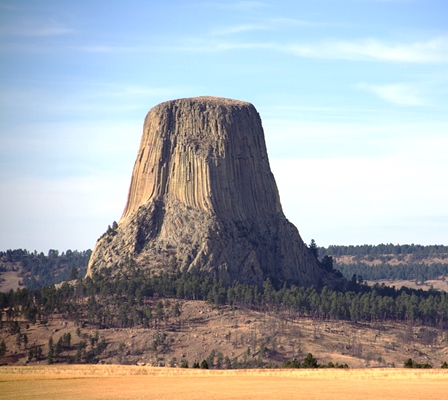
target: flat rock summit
<point>203,199</point>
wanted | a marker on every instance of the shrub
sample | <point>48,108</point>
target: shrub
<point>409,363</point>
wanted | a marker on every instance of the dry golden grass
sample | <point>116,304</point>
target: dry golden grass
<point>10,280</point>
<point>437,284</point>
<point>131,382</point>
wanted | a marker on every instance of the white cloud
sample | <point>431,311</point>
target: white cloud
<point>399,94</point>
<point>431,51</point>
<point>434,50</point>
<point>240,5</point>
<point>264,25</point>
<point>34,28</point>
<point>239,29</point>
<point>111,49</point>
<point>47,99</point>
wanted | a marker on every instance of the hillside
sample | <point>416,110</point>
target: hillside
<point>22,268</point>
<point>413,266</point>
<point>169,321</point>
<point>230,338</point>
<point>165,321</point>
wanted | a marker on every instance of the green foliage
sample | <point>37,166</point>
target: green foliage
<point>310,362</point>
<point>74,273</point>
<point>411,256</point>
<point>122,302</point>
<point>19,340</point>
<point>42,270</point>
<point>327,261</point>
<point>418,251</point>
<point>25,340</point>
<point>419,272</point>
<point>141,300</point>
<point>291,364</point>
<point>3,348</point>
<point>314,249</point>
<point>66,340</point>
<point>210,360</point>
<point>35,352</point>
<point>204,364</point>
<point>409,363</point>
<point>51,351</point>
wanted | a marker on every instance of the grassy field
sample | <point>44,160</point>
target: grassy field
<point>132,382</point>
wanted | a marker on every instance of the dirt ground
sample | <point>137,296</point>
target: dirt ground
<point>119,382</point>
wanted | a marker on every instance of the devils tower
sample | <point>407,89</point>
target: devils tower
<point>203,199</point>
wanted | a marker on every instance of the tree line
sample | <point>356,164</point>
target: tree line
<point>418,251</point>
<point>40,270</point>
<point>125,301</point>
<point>414,261</point>
<point>414,272</point>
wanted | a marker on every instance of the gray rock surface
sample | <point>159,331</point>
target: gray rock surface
<point>203,199</point>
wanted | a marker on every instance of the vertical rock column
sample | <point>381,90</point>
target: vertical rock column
<point>203,199</point>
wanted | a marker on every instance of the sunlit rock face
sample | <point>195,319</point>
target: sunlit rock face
<point>203,199</point>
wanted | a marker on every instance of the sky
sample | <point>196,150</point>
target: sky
<point>353,97</point>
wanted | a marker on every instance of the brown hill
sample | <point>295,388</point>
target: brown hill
<point>197,331</point>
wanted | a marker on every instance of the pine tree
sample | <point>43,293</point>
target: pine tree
<point>2,348</point>
<point>51,351</point>
<point>309,362</point>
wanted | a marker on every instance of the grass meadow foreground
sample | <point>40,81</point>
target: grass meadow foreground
<point>132,382</point>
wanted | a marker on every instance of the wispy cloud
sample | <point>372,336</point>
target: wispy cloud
<point>369,50</point>
<point>239,5</point>
<point>399,94</point>
<point>434,50</point>
<point>213,46</point>
<point>239,29</point>
<point>264,25</point>
<point>109,49</point>
<point>30,28</point>
<point>87,99</point>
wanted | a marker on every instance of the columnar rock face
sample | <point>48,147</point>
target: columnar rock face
<point>203,199</point>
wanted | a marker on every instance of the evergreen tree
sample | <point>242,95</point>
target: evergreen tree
<point>313,248</point>
<point>51,351</point>
<point>2,348</point>
<point>309,362</point>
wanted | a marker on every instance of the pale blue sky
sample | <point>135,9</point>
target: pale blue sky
<point>353,95</point>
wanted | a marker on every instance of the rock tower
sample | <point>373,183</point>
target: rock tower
<point>203,199</point>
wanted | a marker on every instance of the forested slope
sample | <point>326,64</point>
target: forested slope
<point>37,270</point>
<point>390,262</point>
